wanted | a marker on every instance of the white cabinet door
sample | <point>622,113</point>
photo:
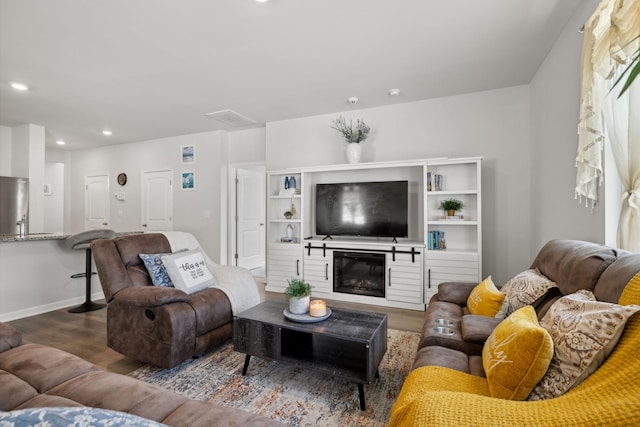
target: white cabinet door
<point>404,278</point>
<point>284,262</point>
<point>449,267</point>
<point>318,271</point>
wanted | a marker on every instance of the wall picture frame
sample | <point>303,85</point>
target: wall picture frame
<point>188,181</point>
<point>188,154</point>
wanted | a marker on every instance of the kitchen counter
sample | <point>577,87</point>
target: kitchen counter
<point>4,238</point>
<point>31,237</point>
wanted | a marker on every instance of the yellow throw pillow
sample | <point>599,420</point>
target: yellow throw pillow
<point>486,300</point>
<point>516,355</point>
<point>631,293</point>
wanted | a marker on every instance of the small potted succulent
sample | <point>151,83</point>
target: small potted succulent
<point>288,214</point>
<point>299,295</point>
<point>450,206</point>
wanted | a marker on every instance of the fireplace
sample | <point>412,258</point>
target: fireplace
<point>359,273</point>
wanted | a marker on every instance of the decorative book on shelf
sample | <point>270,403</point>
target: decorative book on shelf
<point>435,240</point>
<point>434,182</point>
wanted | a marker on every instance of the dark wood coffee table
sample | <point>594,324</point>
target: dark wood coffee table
<point>349,344</point>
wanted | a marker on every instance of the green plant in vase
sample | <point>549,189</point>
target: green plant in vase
<point>450,206</point>
<point>299,295</point>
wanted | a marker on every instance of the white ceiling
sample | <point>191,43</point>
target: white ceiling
<point>153,68</point>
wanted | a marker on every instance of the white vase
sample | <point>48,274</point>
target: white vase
<point>353,151</point>
<point>299,305</point>
<point>289,231</point>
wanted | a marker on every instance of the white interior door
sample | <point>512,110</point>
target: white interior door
<point>157,200</point>
<point>96,202</point>
<point>250,218</point>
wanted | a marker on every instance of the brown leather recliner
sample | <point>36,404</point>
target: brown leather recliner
<point>159,325</point>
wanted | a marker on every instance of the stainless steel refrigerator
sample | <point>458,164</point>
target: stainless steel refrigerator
<point>14,205</point>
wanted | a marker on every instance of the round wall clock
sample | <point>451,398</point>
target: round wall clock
<point>122,178</point>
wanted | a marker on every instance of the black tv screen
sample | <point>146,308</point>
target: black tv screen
<point>377,209</point>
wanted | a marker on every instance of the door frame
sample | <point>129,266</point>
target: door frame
<point>232,236</point>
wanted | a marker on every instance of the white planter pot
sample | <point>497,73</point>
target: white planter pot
<point>299,305</point>
<point>353,152</point>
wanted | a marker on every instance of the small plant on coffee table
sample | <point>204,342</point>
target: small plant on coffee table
<point>299,295</point>
<point>297,289</point>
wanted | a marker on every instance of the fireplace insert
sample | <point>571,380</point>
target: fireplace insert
<point>359,273</point>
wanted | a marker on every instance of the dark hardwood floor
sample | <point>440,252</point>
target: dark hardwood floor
<point>85,334</point>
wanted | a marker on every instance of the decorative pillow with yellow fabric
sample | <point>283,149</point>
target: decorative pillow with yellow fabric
<point>526,288</point>
<point>516,355</point>
<point>584,332</point>
<point>487,300</point>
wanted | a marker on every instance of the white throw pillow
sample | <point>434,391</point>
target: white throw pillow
<point>188,271</point>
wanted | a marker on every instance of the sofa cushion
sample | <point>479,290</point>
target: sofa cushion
<point>516,355</point>
<point>188,271</point>
<point>573,264</point>
<point>455,292</point>
<point>614,280</point>
<point>9,337</point>
<point>526,288</point>
<point>487,300</point>
<point>584,332</point>
<point>478,328</point>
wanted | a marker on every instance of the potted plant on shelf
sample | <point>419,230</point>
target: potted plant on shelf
<point>299,295</point>
<point>288,214</point>
<point>450,206</point>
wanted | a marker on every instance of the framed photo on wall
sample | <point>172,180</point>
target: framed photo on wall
<point>188,181</point>
<point>188,154</point>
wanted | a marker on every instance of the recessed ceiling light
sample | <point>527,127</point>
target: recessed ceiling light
<point>352,100</point>
<point>19,86</point>
<point>60,142</point>
<point>261,1</point>
<point>107,132</point>
<point>394,92</point>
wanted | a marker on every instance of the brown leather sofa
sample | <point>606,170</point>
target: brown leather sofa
<point>38,376</point>
<point>159,325</point>
<point>572,264</point>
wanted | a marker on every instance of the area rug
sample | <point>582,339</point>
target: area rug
<point>293,396</point>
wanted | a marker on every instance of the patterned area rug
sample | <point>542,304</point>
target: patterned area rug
<point>294,396</point>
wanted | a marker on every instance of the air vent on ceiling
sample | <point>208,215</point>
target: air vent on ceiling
<point>231,118</point>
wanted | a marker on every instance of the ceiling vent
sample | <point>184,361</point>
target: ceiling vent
<point>231,118</point>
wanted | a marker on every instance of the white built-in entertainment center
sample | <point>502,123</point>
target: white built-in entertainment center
<point>402,271</point>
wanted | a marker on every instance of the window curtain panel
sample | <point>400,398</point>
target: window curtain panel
<point>607,49</point>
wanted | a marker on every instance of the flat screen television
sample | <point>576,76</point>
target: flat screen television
<point>377,209</point>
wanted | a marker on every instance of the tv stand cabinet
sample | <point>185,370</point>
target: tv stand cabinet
<point>413,266</point>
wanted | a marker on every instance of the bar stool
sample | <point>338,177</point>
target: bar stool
<point>83,241</point>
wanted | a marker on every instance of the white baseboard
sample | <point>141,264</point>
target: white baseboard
<point>33,311</point>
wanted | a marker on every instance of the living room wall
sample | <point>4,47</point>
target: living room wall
<point>196,211</point>
<point>555,103</point>
<point>493,124</point>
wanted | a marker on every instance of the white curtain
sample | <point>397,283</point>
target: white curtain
<point>605,118</point>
